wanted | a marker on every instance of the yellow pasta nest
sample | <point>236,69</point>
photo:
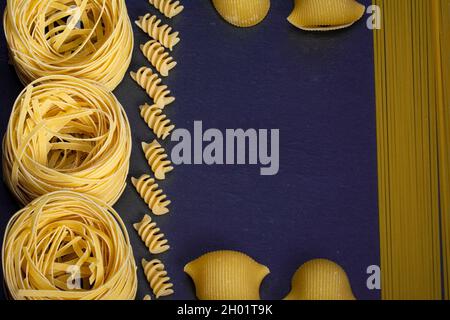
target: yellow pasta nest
<point>151,83</point>
<point>320,279</point>
<point>324,15</point>
<point>157,56</point>
<point>169,8</point>
<point>151,194</point>
<point>157,159</point>
<point>242,13</point>
<point>89,39</point>
<point>226,275</point>
<point>66,133</point>
<point>157,278</point>
<point>151,235</point>
<point>158,31</point>
<point>69,246</point>
<point>156,120</point>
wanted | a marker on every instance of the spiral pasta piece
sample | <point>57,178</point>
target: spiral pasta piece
<point>151,235</point>
<point>325,15</point>
<point>68,246</point>
<point>90,39</point>
<point>158,31</point>
<point>157,159</point>
<point>242,13</point>
<point>169,8</point>
<point>157,278</point>
<point>151,83</point>
<point>157,56</point>
<point>149,192</point>
<point>156,120</point>
<point>66,133</point>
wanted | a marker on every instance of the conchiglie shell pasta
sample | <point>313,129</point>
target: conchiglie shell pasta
<point>226,275</point>
<point>242,13</point>
<point>324,15</point>
<point>320,279</point>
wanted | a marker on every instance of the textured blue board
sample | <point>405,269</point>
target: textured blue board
<point>317,88</point>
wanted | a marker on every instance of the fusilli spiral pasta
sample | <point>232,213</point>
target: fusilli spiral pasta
<point>157,278</point>
<point>151,83</point>
<point>157,159</point>
<point>151,235</point>
<point>158,31</point>
<point>169,8</point>
<point>156,120</point>
<point>158,57</point>
<point>154,197</point>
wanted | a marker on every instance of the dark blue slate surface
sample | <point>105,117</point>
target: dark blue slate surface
<point>318,89</point>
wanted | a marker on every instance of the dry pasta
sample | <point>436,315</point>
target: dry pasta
<point>69,246</point>
<point>158,57</point>
<point>157,278</point>
<point>151,235</point>
<point>151,194</point>
<point>169,8</point>
<point>158,31</point>
<point>226,275</point>
<point>151,83</point>
<point>413,134</point>
<point>157,121</point>
<point>147,297</point>
<point>324,15</point>
<point>242,13</point>
<point>320,279</point>
<point>157,159</point>
<point>90,39</point>
<point>66,133</point>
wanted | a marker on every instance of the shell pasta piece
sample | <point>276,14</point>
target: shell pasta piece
<point>242,13</point>
<point>169,8</point>
<point>151,83</point>
<point>151,194</point>
<point>158,31</point>
<point>157,278</point>
<point>68,246</point>
<point>157,159</point>
<point>158,57</point>
<point>320,279</point>
<point>157,121</point>
<point>151,235</point>
<point>324,15</point>
<point>226,275</point>
<point>66,133</point>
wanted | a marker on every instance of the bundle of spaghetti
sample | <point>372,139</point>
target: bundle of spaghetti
<point>68,246</point>
<point>89,39</point>
<point>413,137</point>
<point>66,133</point>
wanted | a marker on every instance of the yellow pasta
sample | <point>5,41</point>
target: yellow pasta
<point>147,297</point>
<point>169,8</point>
<point>413,133</point>
<point>157,159</point>
<point>151,194</point>
<point>68,246</point>
<point>226,275</point>
<point>324,15</point>
<point>89,39</point>
<point>157,121</point>
<point>66,133</point>
<point>151,235</point>
<point>157,56</point>
<point>157,278</point>
<point>320,279</point>
<point>151,83</point>
<point>242,13</point>
<point>158,31</point>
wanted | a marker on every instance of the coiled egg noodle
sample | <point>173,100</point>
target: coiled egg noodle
<point>66,133</point>
<point>68,246</point>
<point>89,39</point>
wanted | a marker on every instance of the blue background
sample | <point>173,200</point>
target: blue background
<point>317,88</point>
